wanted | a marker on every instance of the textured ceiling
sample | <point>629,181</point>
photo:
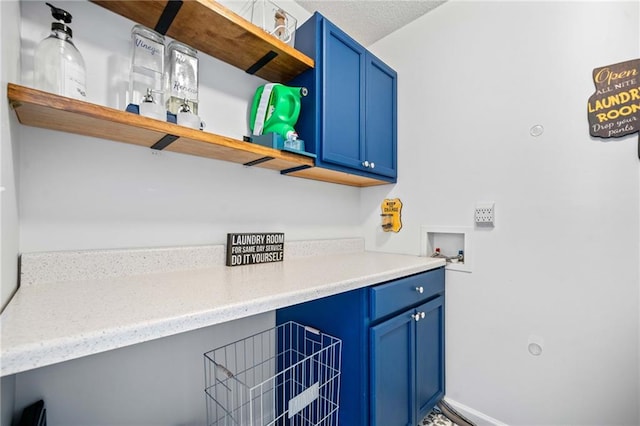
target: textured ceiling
<point>368,21</point>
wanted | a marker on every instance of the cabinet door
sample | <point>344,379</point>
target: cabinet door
<point>380,117</point>
<point>429,356</point>
<point>342,98</point>
<point>392,372</point>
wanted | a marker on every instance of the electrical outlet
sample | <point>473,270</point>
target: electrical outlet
<point>485,214</point>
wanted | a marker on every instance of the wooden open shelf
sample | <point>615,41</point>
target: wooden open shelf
<point>215,30</point>
<point>46,110</point>
<point>41,109</point>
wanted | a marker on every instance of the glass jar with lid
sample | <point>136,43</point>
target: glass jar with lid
<point>182,78</point>
<point>146,80</point>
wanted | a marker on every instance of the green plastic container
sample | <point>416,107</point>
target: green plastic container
<point>277,114</point>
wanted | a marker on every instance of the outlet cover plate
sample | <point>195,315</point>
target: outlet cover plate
<point>485,214</point>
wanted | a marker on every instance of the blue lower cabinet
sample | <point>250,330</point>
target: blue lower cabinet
<point>393,371</point>
<point>429,356</point>
<point>393,347</point>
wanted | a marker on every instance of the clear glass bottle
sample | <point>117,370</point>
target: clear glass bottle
<point>271,18</point>
<point>58,65</point>
<point>147,66</point>
<point>182,77</point>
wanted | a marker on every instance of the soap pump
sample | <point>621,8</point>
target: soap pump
<point>58,65</point>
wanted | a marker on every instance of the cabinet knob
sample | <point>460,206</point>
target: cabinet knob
<point>422,315</point>
<point>420,289</point>
<point>416,317</point>
<point>373,165</point>
<point>365,163</point>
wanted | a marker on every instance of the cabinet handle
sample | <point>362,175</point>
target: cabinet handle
<point>365,163</point>
<point>420,289</point>
<point>373,165</point>
<point>416,317</point>
<point>422,315</point>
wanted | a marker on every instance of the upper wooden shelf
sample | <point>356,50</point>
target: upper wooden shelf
<point>42,109</point>
<point>215,30</point>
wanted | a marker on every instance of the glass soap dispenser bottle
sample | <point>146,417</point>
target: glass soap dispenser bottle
<point>58,65</point>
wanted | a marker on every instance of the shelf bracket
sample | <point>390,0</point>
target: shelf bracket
<point>164,142</point>
<point>168,15</point>
<point>261,62</point>
<point>294,169</point>
<point>258,161</point>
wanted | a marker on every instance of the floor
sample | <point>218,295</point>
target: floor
<point>436,418</point>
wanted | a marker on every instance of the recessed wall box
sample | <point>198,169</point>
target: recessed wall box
<point>450,240</point>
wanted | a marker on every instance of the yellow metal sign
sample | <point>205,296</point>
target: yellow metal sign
<point>391,210</point>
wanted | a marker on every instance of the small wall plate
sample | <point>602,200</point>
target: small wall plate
<point>391,215</point>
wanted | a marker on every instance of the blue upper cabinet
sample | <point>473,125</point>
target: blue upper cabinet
<point>380,117</point>
<point>349,118</point>
<point>343,117</point>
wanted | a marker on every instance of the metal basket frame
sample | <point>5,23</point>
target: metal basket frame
<point>287,375</point>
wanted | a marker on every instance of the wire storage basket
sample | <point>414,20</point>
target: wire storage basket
<point>285,376</point>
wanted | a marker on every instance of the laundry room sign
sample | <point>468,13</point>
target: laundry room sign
<point>614,109</point>
<point>247,249</point>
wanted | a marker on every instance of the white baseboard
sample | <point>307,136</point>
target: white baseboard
<point>475,416</point>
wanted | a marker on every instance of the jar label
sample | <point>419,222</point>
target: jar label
<point>148,54</point>
<point>74,81</point>
<point>184,76</point>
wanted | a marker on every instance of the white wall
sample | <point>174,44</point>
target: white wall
<point>79,193</point>
<point>160,382</point>
<point>9,70</point>
<point>562,260</point>
<point>84,193</point>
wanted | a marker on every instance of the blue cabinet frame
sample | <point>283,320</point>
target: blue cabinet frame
<point>392,365</point>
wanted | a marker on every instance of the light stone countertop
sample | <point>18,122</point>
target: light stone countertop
<point>50,322</point>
